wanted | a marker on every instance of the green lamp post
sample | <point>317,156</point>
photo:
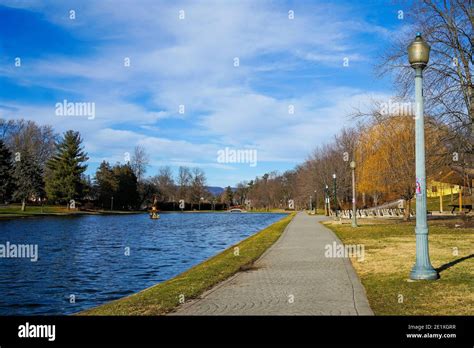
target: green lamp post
<point>326,200</point>
<point>418,56</point>
<point>354,207</point>
<point>335,194</point>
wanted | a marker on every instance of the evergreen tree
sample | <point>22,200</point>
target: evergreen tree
<point>126,196</point>
<point>28,177</point>
<point>106,184</point>
<point>229,196</point>
<point>88,189</point>
<point>64,180</point>
<point>6,172</point>
<point>118,183</point>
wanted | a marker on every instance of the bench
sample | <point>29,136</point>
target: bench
<point>467,206</point>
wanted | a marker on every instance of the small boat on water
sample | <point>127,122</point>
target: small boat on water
<point>154,211</point>
<point>154,215</point>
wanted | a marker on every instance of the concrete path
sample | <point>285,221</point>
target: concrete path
<point>293,277</point>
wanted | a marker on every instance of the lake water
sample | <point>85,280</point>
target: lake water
<point>85,256</point>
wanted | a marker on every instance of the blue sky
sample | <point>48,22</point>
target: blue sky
<point>190,62</point>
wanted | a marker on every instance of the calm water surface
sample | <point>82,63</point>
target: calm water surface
<point>85,256</point>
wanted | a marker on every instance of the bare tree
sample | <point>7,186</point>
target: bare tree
<point>448,27</point>
<point>184,181</point>
<point>241,192</point>
<point>24,136</point>
<point>198,185</point>
<point>139,162</point>
<point>164,184</point>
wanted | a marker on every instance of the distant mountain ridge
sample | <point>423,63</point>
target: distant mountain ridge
<point>216,190</point>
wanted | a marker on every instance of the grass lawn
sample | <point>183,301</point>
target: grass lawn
<point>163,297</point>
<point>390,255</point>
<point>14,210</point>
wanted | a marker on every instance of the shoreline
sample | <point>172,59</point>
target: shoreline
<point>33,214</point>
<point>13,216</point>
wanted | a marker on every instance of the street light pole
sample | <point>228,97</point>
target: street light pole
<point>200,200</point>
<point>310,203</point>
<point>354,208</point>
<point>326,200</point>
<point>335,193</point>
<point>315,202</point>
<point>418,56</point>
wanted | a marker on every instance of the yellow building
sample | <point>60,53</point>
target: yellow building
<point>436,188</point>
<point>454,180</point>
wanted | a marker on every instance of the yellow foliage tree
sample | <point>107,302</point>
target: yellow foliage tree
<point>385,154</point>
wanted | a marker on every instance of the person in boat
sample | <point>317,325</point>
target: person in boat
<point>154,210</point>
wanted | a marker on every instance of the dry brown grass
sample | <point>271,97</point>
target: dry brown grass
<point>390,255</point>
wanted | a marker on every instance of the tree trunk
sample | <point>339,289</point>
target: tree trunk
<point>472,192</point>
<point>470,92</point>
<point>23,204</point>
<point>406,215</point>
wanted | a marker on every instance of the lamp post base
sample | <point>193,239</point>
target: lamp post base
<point>423,270</point>
<point>423,273</point>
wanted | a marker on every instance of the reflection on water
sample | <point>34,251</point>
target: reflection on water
<point>101,258</point>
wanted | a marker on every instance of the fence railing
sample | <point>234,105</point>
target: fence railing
<point>370,213</point>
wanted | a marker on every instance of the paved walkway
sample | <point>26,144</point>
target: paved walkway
<point>292,277</point>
